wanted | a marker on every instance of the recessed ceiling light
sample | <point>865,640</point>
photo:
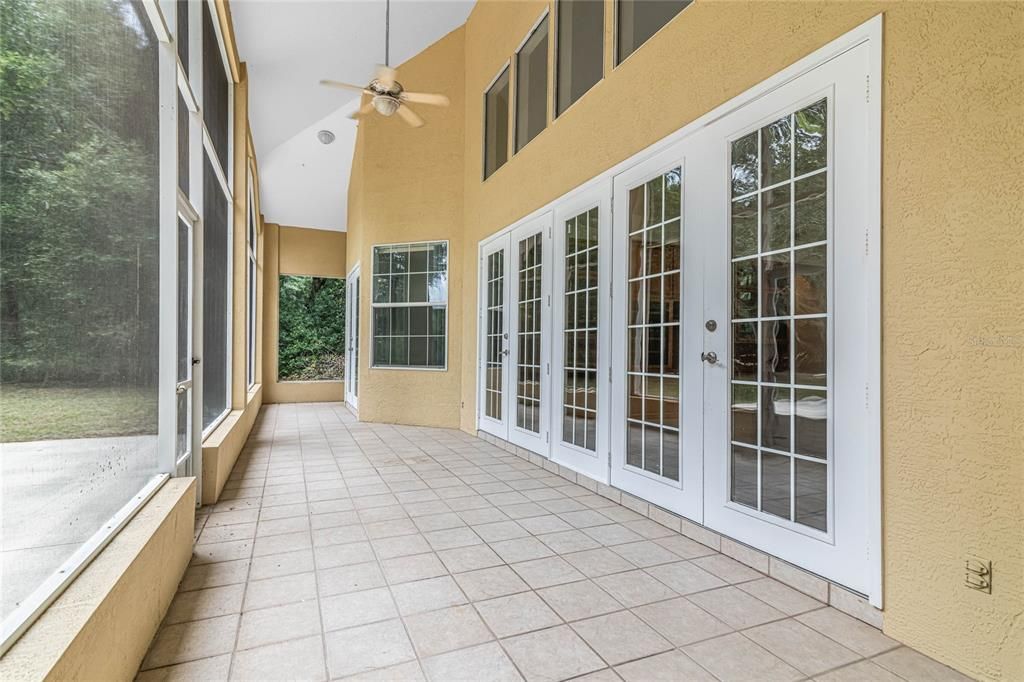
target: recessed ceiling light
<point>325,136</point>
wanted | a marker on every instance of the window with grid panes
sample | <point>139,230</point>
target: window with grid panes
<point>780,387</point>
<point>653,323</point>
<point>579,408</point>
<point>410,305</point>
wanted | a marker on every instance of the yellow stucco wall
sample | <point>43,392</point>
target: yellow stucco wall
<point>409,188</point>
<point>952,249</point>
<point>296,251</point>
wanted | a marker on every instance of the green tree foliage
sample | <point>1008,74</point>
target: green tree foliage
<point>79,220</point>
<point>311,344</point>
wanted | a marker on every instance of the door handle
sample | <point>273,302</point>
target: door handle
<point>710,357</point>
<point>196,361</point>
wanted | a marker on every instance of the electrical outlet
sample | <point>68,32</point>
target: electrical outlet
<point>978,574</point>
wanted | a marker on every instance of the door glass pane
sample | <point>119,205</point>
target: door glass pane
<point>528,369</point>
<point>581,250</point>
<point>184,300</point>
<point>532,86</point>
<point>780,270</point>
<point>655,298</point>
<point>495,335</point>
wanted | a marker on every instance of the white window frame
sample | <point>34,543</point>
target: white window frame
<point>419,304</point>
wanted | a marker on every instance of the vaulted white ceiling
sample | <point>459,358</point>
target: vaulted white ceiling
<point>288,46</point>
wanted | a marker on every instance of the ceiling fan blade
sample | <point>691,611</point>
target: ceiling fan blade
<point>386,76</point>
<point>425,98</point>
<point>409,116</point>
<point>363,111</point>
<point>342,86</point>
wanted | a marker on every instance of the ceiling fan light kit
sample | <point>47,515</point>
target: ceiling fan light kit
<point>387,96</point>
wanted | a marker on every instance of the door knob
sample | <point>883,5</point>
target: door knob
<point>709,357</point>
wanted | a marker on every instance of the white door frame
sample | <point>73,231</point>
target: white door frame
<point>352,296</point>
<point>592,462</point>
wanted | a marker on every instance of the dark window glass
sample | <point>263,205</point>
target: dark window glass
<point>532,86</point>
<point>215,296</point>
<point>215,90</point>
<point>182,38</point>
<point>496,125</point>
<point>580,59</point>
<point>638,20</point>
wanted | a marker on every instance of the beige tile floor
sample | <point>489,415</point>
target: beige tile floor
<point>362,551</point>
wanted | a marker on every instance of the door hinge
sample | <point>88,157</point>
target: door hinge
<point>547,369</point>
<point>867,88</point>
<point>609,373</point>
<point>547,436</point>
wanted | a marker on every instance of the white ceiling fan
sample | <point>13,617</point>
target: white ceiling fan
<point>387,96</point>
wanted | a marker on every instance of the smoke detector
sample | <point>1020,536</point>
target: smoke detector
<point>325,136</point>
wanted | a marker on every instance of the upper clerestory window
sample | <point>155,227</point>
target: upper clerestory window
<point>580,50</point>
<point>638,20</point>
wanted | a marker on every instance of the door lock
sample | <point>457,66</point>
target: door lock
<point>711,325</point>
<point>710,357</point>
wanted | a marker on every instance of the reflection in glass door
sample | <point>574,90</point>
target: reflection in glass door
<point>515,302</point>
<point>656,448</point>
<point>785,196</point>
<point>530,301</point>
<point>581,315</point>
<point>779,376</point>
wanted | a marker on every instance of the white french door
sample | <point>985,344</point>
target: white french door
<point>352,338</point>
<point>741,335</point>
<point>656,420</point>
<point>515,320</point>
<point>188,371</point>
<point>782,200</point>
<point>580,344</point>
<point>492,399</point>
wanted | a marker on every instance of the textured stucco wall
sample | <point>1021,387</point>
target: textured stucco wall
<point>408,187</point>
<point>952,249</point>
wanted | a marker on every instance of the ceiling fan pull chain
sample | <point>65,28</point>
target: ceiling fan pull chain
<point>387,32</point>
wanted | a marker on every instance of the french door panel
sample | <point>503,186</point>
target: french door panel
<point>529,333</point>
<point>656,421</point>
<point>782,195</point>
<point>352,335</point>
<point>493,398</point>
<point>580,343</point>
<point>185,392</point>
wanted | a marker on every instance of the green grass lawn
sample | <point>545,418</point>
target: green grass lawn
<point>30,413</point>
